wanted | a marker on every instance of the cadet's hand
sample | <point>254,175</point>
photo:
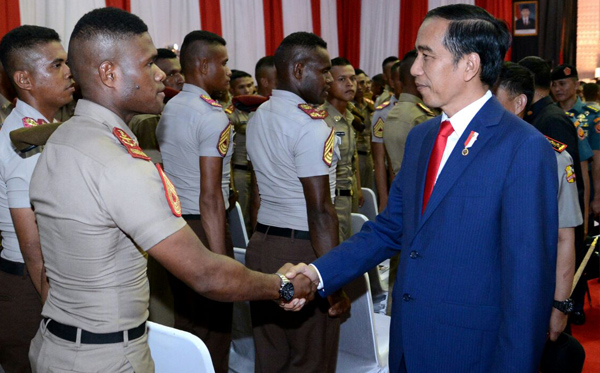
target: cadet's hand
<point>558,323</point>
<point>339,302</point>
<point>304,290</point>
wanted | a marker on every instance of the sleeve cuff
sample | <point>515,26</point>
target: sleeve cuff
<point>321,286</point>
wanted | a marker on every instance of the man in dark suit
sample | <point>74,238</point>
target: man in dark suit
<point>525,22</point>
<point>478,246</point>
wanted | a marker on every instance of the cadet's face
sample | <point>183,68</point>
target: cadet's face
<point>141,87</point>
<point>564,89</point>
<point>50,76</point>
<point>218,72</point>
<point>343,86</point>
<point>316,77</point>
<point>242,86</point>
<point>361,86</point>
<point>172,68</point>
<point>437,77</point>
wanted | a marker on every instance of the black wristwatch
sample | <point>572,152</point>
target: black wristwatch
<point>566,306</point>
<point>286,291</point>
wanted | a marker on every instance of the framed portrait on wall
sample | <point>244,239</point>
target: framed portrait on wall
<point>525,15</point>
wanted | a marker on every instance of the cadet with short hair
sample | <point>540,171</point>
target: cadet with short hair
<point>96,196</point>
<point>388,88</point>
<point>168,62</point>
<point>266,76</point>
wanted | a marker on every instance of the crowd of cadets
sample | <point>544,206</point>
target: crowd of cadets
<point>368,122</point>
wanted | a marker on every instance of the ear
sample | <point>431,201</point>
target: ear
<point>298,70</point>
<point>520,103</point>
<point>23,80</point>
<point>473,66</point>
<point>203,66</point>
<point>108,74</point>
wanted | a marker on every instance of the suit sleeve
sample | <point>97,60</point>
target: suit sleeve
<point>529,229</point>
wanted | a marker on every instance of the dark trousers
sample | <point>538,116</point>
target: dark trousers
<point>304,341</point>
<point>208,319</point>
<point>580,290</point>
<point>20,316</point>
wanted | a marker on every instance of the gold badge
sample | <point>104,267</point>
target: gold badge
<point>224,140</point>
<point>567,71</point>
<point>210,101</point>
<point>580,132</point>
<point>378,128</point>
<point>558,146</point>
<point>328,149</point>
<point>130,144</point>
<point>570,174</point>
<point>170,192</point>
<point>312,112</point>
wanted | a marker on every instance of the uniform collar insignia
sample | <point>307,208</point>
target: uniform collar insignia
<point>30,122</point>
<point>383,105</point>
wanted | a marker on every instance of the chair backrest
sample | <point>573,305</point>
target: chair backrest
<point>239,236</point>
<point>374,277</point>
<point>359,348</point>
<point>174,350</point>
<point>369,208</point>
<point>357,221</point>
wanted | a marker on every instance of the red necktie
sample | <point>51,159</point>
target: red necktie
<point>435,159</point>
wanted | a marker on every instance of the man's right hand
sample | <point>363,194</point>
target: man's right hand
<point>306,270</point>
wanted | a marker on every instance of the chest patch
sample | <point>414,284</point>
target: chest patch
<point>170,192</point>
<point>312,112</point>
<point>328,149</point>
<point>570,174</point>
<point>130,144</point>
<point>224,140</point>
<point>378,128</point>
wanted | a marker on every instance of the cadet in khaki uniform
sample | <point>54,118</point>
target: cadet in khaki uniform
<point>363,144</point>
<point>340,119</point>
<point>291,150</point>
<point>94,317</point>
<point>194,136</point>
<point>388,88</point>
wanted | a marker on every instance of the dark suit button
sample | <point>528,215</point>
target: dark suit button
<point>414,254</point>
<point>406,297</point>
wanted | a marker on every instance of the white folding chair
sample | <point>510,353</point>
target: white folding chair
<point>241,352</point>
<point>364,336</point>
<point>174,350</point>
<point>239,236</point>
<point>369,208</point>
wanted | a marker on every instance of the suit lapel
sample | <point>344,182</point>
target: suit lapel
<point>484,122</point>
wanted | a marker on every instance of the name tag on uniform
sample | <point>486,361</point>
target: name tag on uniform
<point>341,133</point>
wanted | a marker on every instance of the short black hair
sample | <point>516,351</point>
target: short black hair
<point>474,30</point>
<point>340,61</point>
<point>395,67</point>
<point>516,80</point>
<point>21,39</point>
<point>264,62</point>
<point>359,71</point>
<point>110,23</point>
<point>389,60</point>
<point>164,53</point>
<point>236,74</point>
<point>188,51</point>
<point>591,91</point>
<point>378,79</point>
<point>405,65</point>
<point>540,69</point>
<point>284,55</point>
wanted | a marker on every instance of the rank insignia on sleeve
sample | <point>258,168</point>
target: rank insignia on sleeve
<point>30,122</point>
<point>170,192</point>
<point>328,148</point>
<point>224,140</point>
<point>570,173</point>
<point>130,144</point>
<point>558,146</point>
<point>383,105</point>
<point>378,128</point>
<point>210,101</point>
<point>312,112</point>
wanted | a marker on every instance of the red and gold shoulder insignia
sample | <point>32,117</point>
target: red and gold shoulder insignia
<point>558,146</point>
<point>170,192</point>
<point>130,144</point>
<point>210,101</point>
<point>427,110</point>
<point>224,140</point>
<point>592,108</point>
<point>229,109</point>
<point>313,112</point>
<point>30,122</point>
<point>369,101</point>
<point>328,148</point>
<point>378,128</point>
<point>570,170</point>
<point>383,105</point>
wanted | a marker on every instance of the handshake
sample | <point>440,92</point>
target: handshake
<point>305,280</point>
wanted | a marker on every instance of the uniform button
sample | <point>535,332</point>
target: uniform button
<point>406,297</point>
<point>414,254</point>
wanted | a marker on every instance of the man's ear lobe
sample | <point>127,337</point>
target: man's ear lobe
<point>298,70</point>
<point>473,66</point>
<point>107,73</point>
<point>23,80</point>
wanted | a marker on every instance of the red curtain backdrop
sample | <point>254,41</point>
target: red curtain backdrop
<point>10,16</point>
<point>315,7</point>
<point>121,4</point>
<point>411,15</point>
<point>500,9</point>
<point>210,16</point>
<point>273,12</point>
<point>348,17</point>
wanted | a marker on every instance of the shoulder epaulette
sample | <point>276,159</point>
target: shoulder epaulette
<point>369,101</point>
<point>558,146</point>
<point>592,108</point>
<point>313,112</point>
<point>427,110</point>
<point>569,114</point>
<point>383,105</point>
<point>130,144</point>
<point>229,109</point>
<point>210,101</point>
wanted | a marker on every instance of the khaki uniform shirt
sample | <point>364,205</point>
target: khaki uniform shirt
<point>342,124</point>
<point>5,109</point>
<point>239,120</point>
<point>379,118</point>
<point>406,114</point>
<point>363,140</point>
<point>386,95</point>
<point>93,203</point>
<point>143,127</point>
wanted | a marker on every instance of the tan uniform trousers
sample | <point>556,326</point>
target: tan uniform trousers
<point>343,208</point>
<point>208,319</point>
<point>305,341</point>
<point>367,176</point>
